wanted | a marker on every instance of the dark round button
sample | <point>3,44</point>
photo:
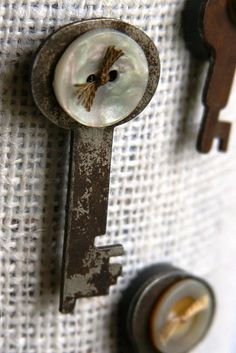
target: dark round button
<point>165,310</point>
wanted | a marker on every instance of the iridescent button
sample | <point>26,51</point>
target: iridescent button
<point>165,310</point>
<point>113,101</point>
<point>181,317</point>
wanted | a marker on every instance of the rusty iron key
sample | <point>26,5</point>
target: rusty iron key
<point>91,112</point>
<point>210,32</point>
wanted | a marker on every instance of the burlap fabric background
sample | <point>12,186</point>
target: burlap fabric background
<point>167,202</point>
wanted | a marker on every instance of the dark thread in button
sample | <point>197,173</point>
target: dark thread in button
<point>86,91</point>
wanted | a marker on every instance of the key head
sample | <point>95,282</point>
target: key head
<point>73,56</point>
<point>193,28</point>
<point>219,29</point>
<point>209,25</point>
<point>232,10</point>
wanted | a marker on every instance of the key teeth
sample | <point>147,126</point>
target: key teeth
<point>212,128</point>
<point>202,147</point>
<point>112,250</point>
<point>224,129</point>
<point>67,305</point>
<point>96,282</point>
<point>115,271</point>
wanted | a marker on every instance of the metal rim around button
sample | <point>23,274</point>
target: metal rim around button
<point>51,51</point>
<point>139,303</point>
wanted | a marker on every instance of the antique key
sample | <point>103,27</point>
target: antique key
<point>210,33</point>
<point>90,77</point>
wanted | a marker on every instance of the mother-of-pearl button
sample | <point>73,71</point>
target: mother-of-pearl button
<point>176,299</point>
<point>115,100</point>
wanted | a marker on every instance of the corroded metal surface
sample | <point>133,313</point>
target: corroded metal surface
<point>86,270</point>
<point>217,34</point>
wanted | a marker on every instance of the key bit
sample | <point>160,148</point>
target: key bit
<point>212,35</point>
<point>91,101</point>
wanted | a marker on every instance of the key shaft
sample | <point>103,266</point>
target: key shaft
<point>86,270</point>
<point>216,22</point>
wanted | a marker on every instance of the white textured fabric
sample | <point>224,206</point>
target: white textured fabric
<point>167,202</point>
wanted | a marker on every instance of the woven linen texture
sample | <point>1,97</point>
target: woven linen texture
<point>167,202</point>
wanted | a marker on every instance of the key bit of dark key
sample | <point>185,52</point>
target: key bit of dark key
<point>211,35</point>
<point>86,269</point>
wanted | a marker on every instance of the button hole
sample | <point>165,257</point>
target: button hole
<point>113,75</point>
<point>92,78</point>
